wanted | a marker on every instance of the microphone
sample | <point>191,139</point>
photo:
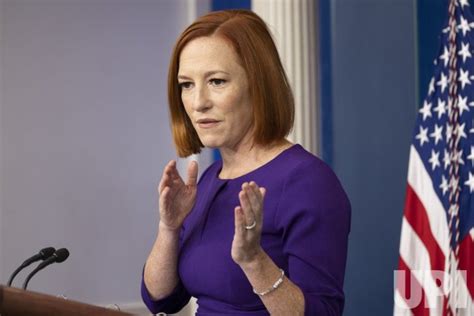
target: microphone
<point>41,255</point>
<point>59,256</point>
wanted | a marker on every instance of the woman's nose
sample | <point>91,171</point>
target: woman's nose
<point>201,100</point>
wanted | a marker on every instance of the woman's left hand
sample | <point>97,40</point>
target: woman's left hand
<point>248,224</point>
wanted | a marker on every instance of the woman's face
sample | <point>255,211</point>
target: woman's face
<point>215,92</point>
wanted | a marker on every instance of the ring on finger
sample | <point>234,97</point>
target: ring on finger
<point>251,226</point>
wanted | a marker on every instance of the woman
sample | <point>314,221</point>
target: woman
<point>265,229</point>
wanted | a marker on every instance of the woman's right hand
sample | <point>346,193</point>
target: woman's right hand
<point>176,197</point>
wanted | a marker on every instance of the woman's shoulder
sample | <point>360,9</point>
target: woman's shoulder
<point>311,175</point>
<point>301,162</point>
<point>311,187</point>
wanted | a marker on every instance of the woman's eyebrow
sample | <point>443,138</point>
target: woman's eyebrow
<point>183,77</point>
<point>206,74</point>
<point>211,73</point>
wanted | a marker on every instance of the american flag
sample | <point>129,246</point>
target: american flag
<point>436,264</point>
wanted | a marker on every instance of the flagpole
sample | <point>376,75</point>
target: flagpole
<point>454,151</point>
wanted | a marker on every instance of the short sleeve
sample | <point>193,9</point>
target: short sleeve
<point>314,216</point>
<point>171,304</point>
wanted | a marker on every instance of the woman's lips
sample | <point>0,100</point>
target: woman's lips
<point>208,124</point>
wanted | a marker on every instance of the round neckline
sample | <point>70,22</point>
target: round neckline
<point>274,159</point>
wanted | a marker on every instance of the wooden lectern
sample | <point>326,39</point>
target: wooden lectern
<point>15,302</point>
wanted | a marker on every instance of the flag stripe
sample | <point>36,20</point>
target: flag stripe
<point>463,293</point>
<point>420,181</point>
<point>411,282</point>
<point>416,258</point>
<point>416,215</point>
<point>466,261</point>
<point>400,308</point>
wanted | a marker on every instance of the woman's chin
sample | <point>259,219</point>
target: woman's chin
<point>211,143</point>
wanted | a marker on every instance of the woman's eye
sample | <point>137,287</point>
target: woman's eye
<point>217,82</point>
<point>185,85</point>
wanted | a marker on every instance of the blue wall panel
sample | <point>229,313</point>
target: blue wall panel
<point>373,114</point>
<point>325,97</point>
<point>431,17</point>
<point>230,4</point>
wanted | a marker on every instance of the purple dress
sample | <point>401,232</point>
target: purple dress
<point>305,231</point>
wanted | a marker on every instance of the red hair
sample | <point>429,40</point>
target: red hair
<point>270,92</point>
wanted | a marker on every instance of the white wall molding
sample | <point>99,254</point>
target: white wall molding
<point>293,26</point>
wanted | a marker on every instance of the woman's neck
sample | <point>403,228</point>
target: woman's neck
<point>245,158</point>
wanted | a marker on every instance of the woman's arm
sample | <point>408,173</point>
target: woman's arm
<point>160,274</point>
<point>286,299</point>
<point>162,290</point>
<point>314,218</point>
<point>261,271</point>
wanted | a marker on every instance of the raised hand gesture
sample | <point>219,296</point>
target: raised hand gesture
<point>176,197</point>
<point>248,217</point>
